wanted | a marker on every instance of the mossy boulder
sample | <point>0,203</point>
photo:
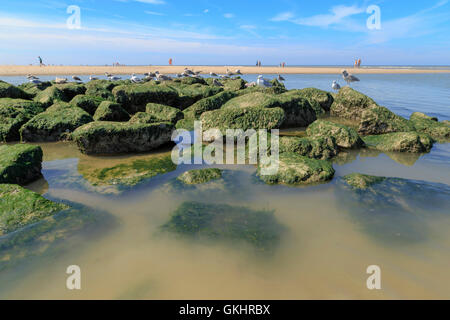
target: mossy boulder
<point>185,124</point>
<point>101,89</point>
<point>233,84</point>
<point>400,142</point>
<point>34,88</point>
<point>87,103</point>
<point>204,221</point>
<point>135,97</point>
<point>189,94</point>
<point>199,176</point>
<point>362,181</point>
<point>350,104</point>
<point>316,148</point>
<point>50,95</point>
<point>53,124</point>
<point>101,137</point>
<point>13,114</point>
<point>294,169</point>
<point>111,111</point>
<point>20,207</point>
<point>313,95</point>
<point>446,122</point>
<point>437,130</point>
<point>345,137</point>
<point>379,120</point>
<point>10,91</point>
<point>20,163</point>
<point>163,113</point>
<point>421,115</point>
<point>70,90</point>
<point>208,104</point>
<point>242,118</point>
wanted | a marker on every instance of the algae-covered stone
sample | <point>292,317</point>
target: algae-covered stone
<point>34,88</point>
<point>87,103</point>
<point>101,89</point>
<point>345,137</point>
<point>20,207</point>
<point>224,222</point>
<point>20,163</point>
<point>9,91</point>
<point>189,94</point>
<point>135,97</point>
<point>350,104</point>
<point>446,122</point>
<point>13,114</point>
<point>234,84</point>
<point>199,176</point>
<point>185,124</point>
<point>111,111</point>
<point>50,95</point>
<point>437,130</point>
<point>70,90</point>
<point>401,142</point>
<point>163,113</point>
<point>294,169</point>
<point>379,120</point>
<point>316,148</point>
<point>242,118</point>
<point>323,98</point>
<point>208,104</point>
<point>362,181</point>
<point>101,137</point>
<point>54,123</point>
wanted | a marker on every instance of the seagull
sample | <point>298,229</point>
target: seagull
<point>151,74</point>
<point>216,83</point>
<point>212,74</point>
<point>335,85</point>
<point>224,77</point>
<point>161,77</point>
<point>60,80</point>
<point>77,79</point>
<point>30,76</point>
<point>238,71</point>
<point>135,79</point>
<point>93,78</point>
<point>280,78</point>
<point>35,81</point>
<point>114,78</point>
<point>188,72</point>
<point>263,82</point>
<point>108,75</point>
<point>349,77</point>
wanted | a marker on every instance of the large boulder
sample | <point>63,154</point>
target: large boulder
<point>200,176</point>
<point>163,113</point>
<point>294,169</point>
<point>208,104</point>
<point>111,111</point>
<point>54,123</point>
<point>189,94</point>
<point>316,148</point>
<point>21,207</point>
<point>425,124</point>
<point>313,95</point>
<point>50,95</point>
<point>350,104</point>
<point>103,137</point>
<point>9,91</point>
<point>401,142</point>
<point>13,114</point>
<point>379,120</point>
<point>87,103</point>
<point>70,90</point>
<point>34,88</point>
<point>20,163</point>
<point>345,137</point>
<point>101,89</point>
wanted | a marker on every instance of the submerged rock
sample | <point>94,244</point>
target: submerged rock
<point>294,169</point>
<point>350,104</point>
<point>9,91</point>
<point>111,111</point>
<point>223,222</point>
<point>20,163</point>
<point>13,114</point>
<point>87,103</point>
<point>379,120</point>
<point>401,142</point>
<point>103,137</point>
<point>54,123</point>
<point>362,181</point>
<point>425,124</point>
<point>199,176</point>
<point>345,137</point>
<point>316,148</point>
<point>21,207</point>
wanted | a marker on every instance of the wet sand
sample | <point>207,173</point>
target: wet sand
<point>96,70</point>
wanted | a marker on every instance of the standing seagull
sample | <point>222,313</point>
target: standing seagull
<point>212,74</point>
<point>114,78</point>
<point>77,79</point>
<point>93,78</point>
<point>335,85</point>
<point>349,77</point>
<point>280,78</point>
<point>238,71</point>
<point>135,79</point>
<point>263,82</point>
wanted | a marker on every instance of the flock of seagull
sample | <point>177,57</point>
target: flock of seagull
<point>260,81</point>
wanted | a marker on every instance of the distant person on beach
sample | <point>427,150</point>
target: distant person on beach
<point>359,63</point>
<point>40,61</point>
<point>170,61</point>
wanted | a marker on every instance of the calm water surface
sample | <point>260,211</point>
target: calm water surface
<point>330,235</point>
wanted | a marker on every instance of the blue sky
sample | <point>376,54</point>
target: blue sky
<point>299,32</point>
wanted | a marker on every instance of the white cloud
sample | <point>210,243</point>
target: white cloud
<point>336,16</point>
<point>206,11</point>
<point>285,16</point>
<point>152,1</point>
<point>228,15</point>
<point>153,13</point>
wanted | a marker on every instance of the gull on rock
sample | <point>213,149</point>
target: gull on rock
<point>60,80</point>
<point>135,79</point>
<point>77,79</point>
<point>349,78</point>
<point>280,78</point>
<point>335,85</point>
<point>93,78</point>
<point>263,82</point>
<point>212,74</point>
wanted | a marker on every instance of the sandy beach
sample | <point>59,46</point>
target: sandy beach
<point>11,70</point>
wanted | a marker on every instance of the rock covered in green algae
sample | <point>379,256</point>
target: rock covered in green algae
<point>199,176</point>
<point>446,122</point>
<point>350,104</point>
<point>224,222</point>
<point>233,84</point>
<point>13,114</point>
<point>401,142</point>
<point>185,124</point>
<point>102,137</point>
<point>71,89</point>
<point>294,169</point>
<point>9,91</point>
<point>189,94</point>
<point>111,111</point>
<point>163,113</point>
<point>345,137</point>
<point>20,163</point>
<point>208,104</point>
<point>101,89</point>
<point>313,95</point>
<point>242,118</point>
<point>435,129</point>
<point>316,148</point>
<point>34,88</point>
<point>54,123</point>
<point>87,103</point>
<point>135,97</point>
<point>20,207</point>
<point>420,115</point>
<point>379,120</point>
<point>362,181</point>
<point>50,95</point>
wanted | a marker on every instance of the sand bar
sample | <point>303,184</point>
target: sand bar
<point>10,70</point>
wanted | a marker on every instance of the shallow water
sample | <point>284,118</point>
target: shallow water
<point>327,241</point>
